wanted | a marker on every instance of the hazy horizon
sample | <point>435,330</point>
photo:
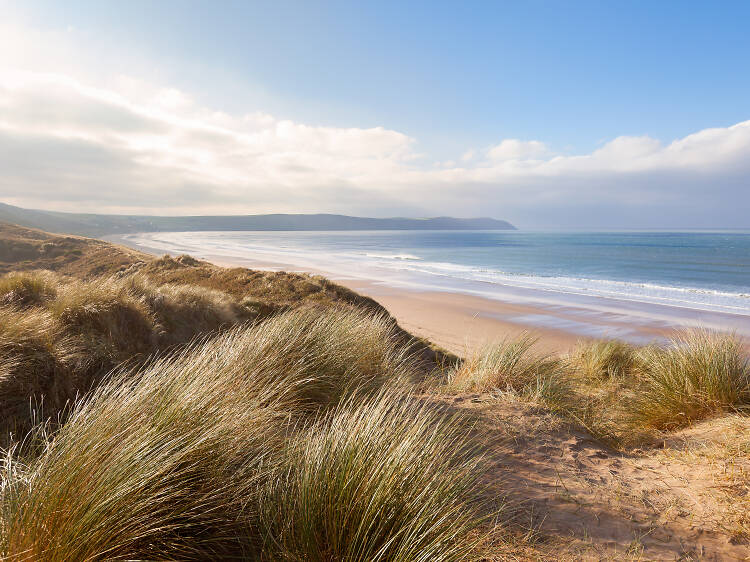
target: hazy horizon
<point>524,229</point>
<point>550,116</point>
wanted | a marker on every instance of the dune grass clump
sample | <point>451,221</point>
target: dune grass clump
<point>154,465</point>
<point>626,395</point>
<point>180,312</point>
<point>109,320</point>
<point>602,376</point>
<point>212,454</point>
<point>59,336</point>
<point>600,360</point>
<point>514,365</point>
<point>390,479</point>
<point>337,350</point>
<point>27,289</point>
<point>33,356</point>
<point>700,374</point>
<point>61,347</point>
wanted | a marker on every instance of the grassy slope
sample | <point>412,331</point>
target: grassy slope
<point>290,440</point>
<point>23,249</point>
<point>193,456</point>
<point>61,332</point>
<point>255,437</point>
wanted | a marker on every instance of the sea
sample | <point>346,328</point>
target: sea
<point>698,275</point>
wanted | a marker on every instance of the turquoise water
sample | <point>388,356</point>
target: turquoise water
<point>701,270</point>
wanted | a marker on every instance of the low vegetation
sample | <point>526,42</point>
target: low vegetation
<point>701,374</point>
<point>217,452</point>
<point>695,376</point>
<point>620,393</point>
<point>23,290</point>
<point>387,479</point>
<point>511,365</point>
<point>25,249</point>
<point>170,409</point>
<point>600,360</point>
<point>60,335</point>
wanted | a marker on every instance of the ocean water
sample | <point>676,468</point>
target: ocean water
<point>704,271</point>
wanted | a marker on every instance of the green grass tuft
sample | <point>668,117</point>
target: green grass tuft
<point>390,479</point>
<point>512,365</point>
<point>699,375</point>
<point>600,360</point>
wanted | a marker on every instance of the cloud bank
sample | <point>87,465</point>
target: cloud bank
<point>131,147</point>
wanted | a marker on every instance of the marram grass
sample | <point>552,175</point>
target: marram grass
<point>59,336</point>
<point>27,289</point>
<point>626,395</point>
<point>213,454</point>
<point>59,346</point>
<point>600,360</point>
<point>387,479</point>
<point>151,466</point>
<point>698,375</point>
<point>335,351</point>
<point>512,365</point>
<point>621,394</point>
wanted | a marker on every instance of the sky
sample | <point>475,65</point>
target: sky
<point>547,114</point>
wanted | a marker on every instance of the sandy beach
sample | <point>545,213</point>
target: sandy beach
<point>462,323</point>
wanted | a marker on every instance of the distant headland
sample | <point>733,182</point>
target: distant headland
<point>85,224</point>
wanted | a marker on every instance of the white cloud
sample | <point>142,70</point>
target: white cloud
<point>514,149</point>
<point>169,140</point>
<point>89,142</point>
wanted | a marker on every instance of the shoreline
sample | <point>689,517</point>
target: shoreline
<point>462,322</point>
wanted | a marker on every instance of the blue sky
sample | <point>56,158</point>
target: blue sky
<point>455,79</point>
<point>572,73</point>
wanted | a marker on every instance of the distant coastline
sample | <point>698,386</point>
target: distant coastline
<point>99,224</point>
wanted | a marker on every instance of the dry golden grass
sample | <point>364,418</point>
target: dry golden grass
<point>180,312</point>
<point>60,335</point>
<point>24,249</point>
<point>91,324</point>
<point>213,454</point>
<point>35,361</point>
<point>276,290</point>
<point>21,290</point>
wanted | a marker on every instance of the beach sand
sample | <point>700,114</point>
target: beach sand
<point>460,323</point>
<point>463,323</point>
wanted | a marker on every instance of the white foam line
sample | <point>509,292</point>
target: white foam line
<point>635,292</point>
